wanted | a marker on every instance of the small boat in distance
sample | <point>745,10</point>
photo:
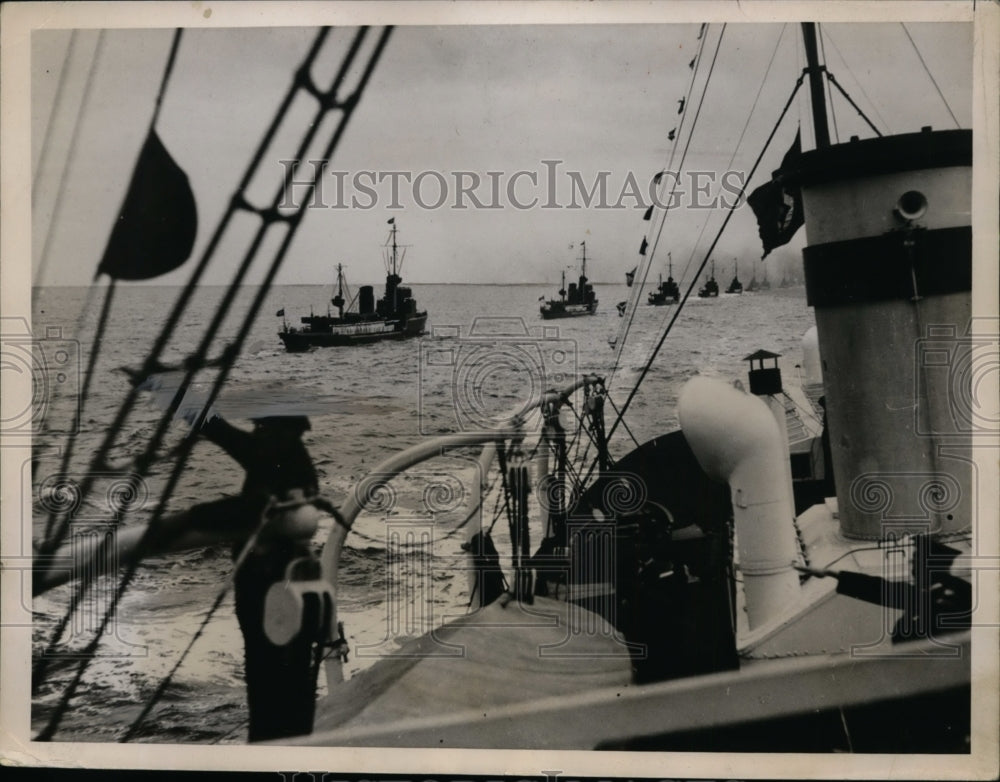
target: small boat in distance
<point>580,299</point>
<point>735,286</point>
<point>394,316</point>
<point>668,292</point>
<point>711,288</point>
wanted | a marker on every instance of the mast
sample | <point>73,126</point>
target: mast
<point>394,247</point>
<point>583,262</point>
<point>338,300</point>
<point>670,266</point>
<point>816,96</point>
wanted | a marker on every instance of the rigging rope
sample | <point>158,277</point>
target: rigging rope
<point>861,87</point>
<point>832,80</point>
<point>930,75</point>
<point>729,165</point>
<point>50,543</point>
<point>829,89</point>
<point>326,102</point>
<point>165,682</point>
<point>171,59</point>
<point>704,263</point>
<point>663,220</point>
<point>636,295</point>
<point>56,102</point>
<point>70,155</point>
<point>102,323</point>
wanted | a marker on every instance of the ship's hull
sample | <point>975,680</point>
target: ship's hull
<point>348,334</point>
<point>556,309</point>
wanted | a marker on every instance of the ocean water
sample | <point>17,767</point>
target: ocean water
<point>487,352</point>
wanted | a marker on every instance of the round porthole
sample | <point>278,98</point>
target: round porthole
<point>911,205</point>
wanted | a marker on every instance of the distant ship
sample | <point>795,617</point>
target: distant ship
<point>668,292</point>
<point>580,299</point>
<point>394,316</point>
<point>711,288</point>
<point>735,286</point>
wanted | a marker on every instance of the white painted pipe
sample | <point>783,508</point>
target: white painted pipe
<point>737,441</point>
<point>812,366</point>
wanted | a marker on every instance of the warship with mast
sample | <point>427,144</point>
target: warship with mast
<point>668,292</point>
<point>763,592</point>
<point>579,299</point>
<point>394,316</point>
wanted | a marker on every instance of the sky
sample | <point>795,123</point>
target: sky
<point>476,99</point>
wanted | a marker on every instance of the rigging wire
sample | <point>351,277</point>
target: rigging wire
<point>844,62</point>
<point>704,263</point>
<point>165,682</point>
<point>930,75</point>
<point>829,86</point>
<point>67,456</point>
<point>48,543</point>
<point>53,541</point>
<point>70,154</point>
<point>152,363</point>
<point>732,158</point>
<point>635,298</point>
<point>327,102</point>
<point>687,145</point>
<point>56,102</point>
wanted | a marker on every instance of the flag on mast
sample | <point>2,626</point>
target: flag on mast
<point>156,228</point>
<point>778,205</point>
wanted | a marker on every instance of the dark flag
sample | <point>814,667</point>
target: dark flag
<point>680,107</point>
<point>630,277</point>
<point>701,32</point>
<point>658,177</point>
<point>672,134</point>
<point>643,246</point>
<point>777,206</point>
<point>280,313</point>
<point>691,64</point>
<point>391,221</point>
<point>649,214</point>
<point>155,232</point>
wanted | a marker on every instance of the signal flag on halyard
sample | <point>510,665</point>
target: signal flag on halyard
<point>391,221</point>
<point>630,277</point>
<point>777,206</point>
<point>643,246</point>
<point>155,232</point>
<point>280,313</point>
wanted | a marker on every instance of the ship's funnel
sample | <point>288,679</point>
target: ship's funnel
<point>736,440</point>
<point>889,271</point>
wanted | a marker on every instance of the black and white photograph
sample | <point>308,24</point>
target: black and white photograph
<point>467,387</point>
